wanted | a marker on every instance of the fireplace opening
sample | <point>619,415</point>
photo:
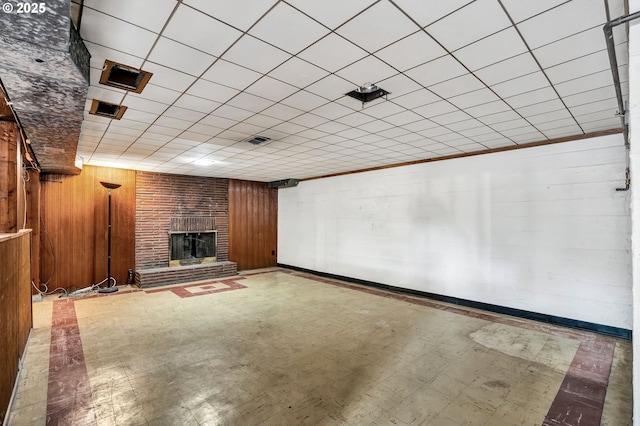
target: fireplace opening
<point>191,248</point>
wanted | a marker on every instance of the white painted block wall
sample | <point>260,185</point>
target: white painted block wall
<point>540,229</point>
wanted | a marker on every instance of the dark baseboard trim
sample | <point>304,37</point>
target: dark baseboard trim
<point>535,316</point>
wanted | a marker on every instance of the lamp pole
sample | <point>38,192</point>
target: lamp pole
<point>109,288</point>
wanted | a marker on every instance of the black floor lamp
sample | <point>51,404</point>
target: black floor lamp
<point>109,288</point>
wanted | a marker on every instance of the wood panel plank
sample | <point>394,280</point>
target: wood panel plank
<point>74,233</point>
<point>8,177</point>
<point>252,224</point>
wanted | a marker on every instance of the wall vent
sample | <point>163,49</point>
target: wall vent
<point>258,140</point>
<point>124,77</point>
<point>106,109</point>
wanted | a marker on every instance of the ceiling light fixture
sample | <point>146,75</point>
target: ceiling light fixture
<point>367,93</point>
<point>124,77</point>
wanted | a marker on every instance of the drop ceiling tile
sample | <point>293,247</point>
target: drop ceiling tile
<point>246,128</point>
<point>212,91</point>
<point>148,14</point>
<point>556,25</point>
<point>511,124</point>
<point>196,104</point>
<point>471,147</point>
<point>610,104</point>
<point>298,72</point>
<point>528,137</point>
<point>465,125</point>
<point>499,117</point>
<point>434,109</point>
<point>426,13</point>
<point>548,116</point>
<point>474,132</point>
<point>585,65</point>
<point>332,111</point>
<point>202,32</point>
<point>283,112</point>
<point>584,84</point>
<point>263,121</point>
<point>609,123</point>
<point>107,95</point>
<point>399,85</point>
<point>304,100</point>
<point>457,86</point>
<point>331,127</point>
<point>312,134</point>
<point>403,118</point>
<point>563,131</point>
<point>411,51</point>
<point>597,116</point>
<point>572,47</point>
<point>203,129</point>
<point>309,120</point>
<point>288,128</point>
<point>352,133</point>
<point>249,102</point>
<point>331,13</point>
<point>541,107</point>
<point>416,99</point>
<point>495,48</point>
<point>180,57</point>
<point>234,136</point>
<point>168,78</point>
<point>156,93</point>
<point>101,53</point>
<point>524,84</point>
<point>365,29</point>
<point>471,99</point>
<point>533,97</point>
<point>173,123</point>
<point>163,131</point>
<point>418,126</point>
<point>520,10</point>
<point>232,75</point>
<point>271,89</point>
<point>499,143</point>
<point>241,15</point>
<point>508,69</point>
<point>184,114</point>
<point>288,29</point>
<point>381,109</point>
<point>393,132</point>
<point>332,53</point>
<point>451,117</point>
<point>590,96</point>
<point>331,87</point>
<point>116,34</point>
<point>454,31</point>
<point>355,119</point>
<point>436,71</point>
<point>144,117</point>
<point>229,113</point>
<point>487,137</point>
<point>367,70</point>
<point>375,126</point>
<point>255,54</point>
<point>488,108</point>
<point>194,136</point>
<point>517,131</point>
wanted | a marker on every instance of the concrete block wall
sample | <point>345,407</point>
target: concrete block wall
<point>539,229</point>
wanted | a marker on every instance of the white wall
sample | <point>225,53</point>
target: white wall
<point>540,229</point>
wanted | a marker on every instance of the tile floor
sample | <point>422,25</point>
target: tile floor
<point>278,347</point>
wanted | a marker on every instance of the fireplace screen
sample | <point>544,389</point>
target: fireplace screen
<point>188,248</point>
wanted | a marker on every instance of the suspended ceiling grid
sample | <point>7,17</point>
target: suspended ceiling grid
<point>463,76</point>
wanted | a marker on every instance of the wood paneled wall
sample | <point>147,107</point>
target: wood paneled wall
<point>74,227</point>
<point>8,177</point>
<point>15,309</point>
<point>253,224</point>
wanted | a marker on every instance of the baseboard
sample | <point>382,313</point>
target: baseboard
<point>535,316</point>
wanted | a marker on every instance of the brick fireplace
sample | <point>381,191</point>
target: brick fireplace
<point>165,202</point>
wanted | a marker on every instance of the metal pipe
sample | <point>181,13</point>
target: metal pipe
<point>613,61</point>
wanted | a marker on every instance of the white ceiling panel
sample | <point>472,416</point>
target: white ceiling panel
<point>495,48</point>
<point>241,15</point>
<point>411,51</point>
<point>369,69</point>
<point>223,71</point>
<point>377,27</point>
<point>193,28</point>
<point>563,21</point>
<point>331,13</point>
<point>332,53</point>
<point>112,33</point>
<point>298,72</point>
<point>180,57</point>
<point>255,54</point>
<point>454,30</point>
<point>288,29</point>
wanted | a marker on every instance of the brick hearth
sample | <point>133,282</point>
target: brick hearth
<point>153,277</point>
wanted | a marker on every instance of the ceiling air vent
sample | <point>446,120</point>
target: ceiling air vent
<point>124,77</point>
<point>258,140</point>
<point>367,93</point>
<point>106,109</point>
